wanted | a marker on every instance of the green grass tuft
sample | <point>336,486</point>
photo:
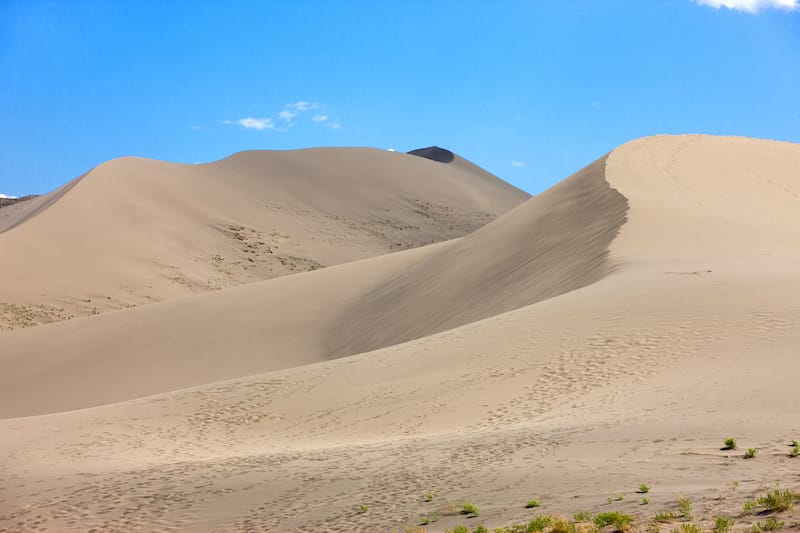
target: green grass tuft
<point>730,443</point>
<point>778,500</point>
<point>722,524</point>
<point>620,521</point>
<point>750,453</point>
<point>532,503</point>
<point>644,488</point>
<point>470,509</point>
<point>685,507</point>
<point>664,516</point>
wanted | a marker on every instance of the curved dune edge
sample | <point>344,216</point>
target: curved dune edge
<point>17,214</point>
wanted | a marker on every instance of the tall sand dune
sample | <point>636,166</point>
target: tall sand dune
<point>134,231</point>
<point>666,319</point>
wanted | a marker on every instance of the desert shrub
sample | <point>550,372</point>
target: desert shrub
<point>795,444</point>
<point>562,525</point>
<point>620,521</point>
<point>665,516</point>
<point>470,509</point>
<point>458,529</point>
<point>688,528</point>
<point>770,524</point>
<point>532,503</point>
<point>362,508</point>
<point>749,507</point>
<point>538,523</point>
<point>619,498</point>
<point>730,443</point>
<point>645,501</point>
<point>685,507</point>
<point>644,488</point>
<point>582,516</point>
<point>777,500</point>
<point>795,451</point>
<point>428,497</point>
<point>425,521</point>
<point>750,453</point>
<point>480,528</point>
<point>722,524</point>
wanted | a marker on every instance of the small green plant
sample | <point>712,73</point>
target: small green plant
<point>362,508</point>
<point>470,509</point>
<point>645,501</point>
<point>795,451</point>
<point>538,523</point>
<point>730,444</point>
<point>425,521</point>
<point>735,484</point>
<point>428,496</point>
<point>685,507</point>
<point>795,444</point>
<point>644,488</point>
<point>778,500</point>
<point>688,528</point>
<point>749,507</point>
<point>750,453</point>
<point>770,524</point>
<point>620,521</point>
<point>458,529</point>
<point>480,528</point>
<point>532,503</point>
<point>582,516</point>
<point>609,500</point>
<point>562,525</point>
<point>664,516</point>
<point>722,524</point>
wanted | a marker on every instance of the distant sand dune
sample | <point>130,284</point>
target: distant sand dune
<point>135,231</point>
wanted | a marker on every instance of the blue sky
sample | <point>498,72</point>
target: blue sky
<point>530,90</point>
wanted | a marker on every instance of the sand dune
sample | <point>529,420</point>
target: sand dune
<point>609,332</point>
<point>134,231</point>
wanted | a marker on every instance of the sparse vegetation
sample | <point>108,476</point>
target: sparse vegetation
<point>770,524</point>
<point>620,521</point>
<point>795,444</point>
<point>538,523</point>
<point>688,528</point>
<point>582,516</point>
<point>665,516</point>
<point>470,509</point>
<point>795,451</point>
<point>644,488</point>
<point>750,453</point>
<point>730,444</point>
<point>532,503</point>
<point>722,524</point>
<point>362,508</point>
<point>619,498</point>
<point>480,528</point>
<point>645,501</point>
<point>425,521</point>
<point>458,529</point>
<point>428,496</point>
<point>685,507</point>
<point>749,507</point>
<point>778,500</point>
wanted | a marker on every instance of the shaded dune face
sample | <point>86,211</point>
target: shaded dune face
<point>554,243</point>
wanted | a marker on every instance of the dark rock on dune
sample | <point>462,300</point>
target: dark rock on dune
<point>434,153</point>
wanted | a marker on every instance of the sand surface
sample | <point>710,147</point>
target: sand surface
<point>609,332</point>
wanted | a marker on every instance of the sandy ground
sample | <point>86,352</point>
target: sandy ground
<point>610,332</point>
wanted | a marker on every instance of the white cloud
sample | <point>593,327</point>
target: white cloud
<point>390,149</point>
<point>334,125</point>
<point>302,106</point>
<point>518,164</point>
<point>287,115</point>
<point>256,123</point>
<point>320,118</point>
<point>7,197</point>
<point>751,6</point>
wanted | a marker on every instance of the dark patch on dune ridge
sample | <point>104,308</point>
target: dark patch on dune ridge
<point>434,153</point>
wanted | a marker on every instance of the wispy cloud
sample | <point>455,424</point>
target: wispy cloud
<point>288,116</point>
<point>256,123</point>
<point>751,6</point>
<point>518,164</point>
<point>302,106</point>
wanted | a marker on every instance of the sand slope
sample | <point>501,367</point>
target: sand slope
<point>680,330</point>
<point>134,231</point>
